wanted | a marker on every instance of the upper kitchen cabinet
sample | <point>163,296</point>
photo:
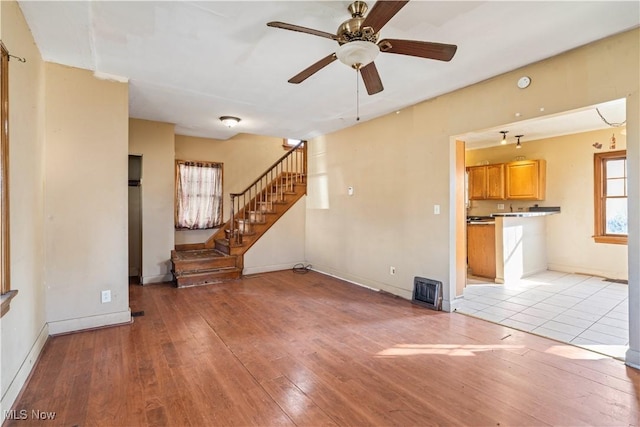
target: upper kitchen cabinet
<point>486,182</point>
<point>526,180</point>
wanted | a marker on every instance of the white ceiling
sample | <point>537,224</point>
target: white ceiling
<point>570,122</point>
<point>189,62</point>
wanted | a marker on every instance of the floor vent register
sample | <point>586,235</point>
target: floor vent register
<point>427,293</point>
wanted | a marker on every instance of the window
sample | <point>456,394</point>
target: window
<point>5,276</point>
<point>4,165</point>
<point>610,197</point>
<point>289,143</point>
<point>198,195</point>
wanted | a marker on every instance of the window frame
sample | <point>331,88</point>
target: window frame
<point>4,168</point>
<point>289,143</point>
<point>6,294</point>
<point>599,162</point>
<point>219,165</point>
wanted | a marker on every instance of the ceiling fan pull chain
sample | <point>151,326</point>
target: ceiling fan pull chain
<point>357,96</point>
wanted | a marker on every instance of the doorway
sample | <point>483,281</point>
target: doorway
<point>135,219</point>
<point>577,302</point>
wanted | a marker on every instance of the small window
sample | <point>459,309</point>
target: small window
<point>289,143</point>
<point>5,274</point>
<point>198,195</point>
<point>4,167</point>
<point>610,202</point>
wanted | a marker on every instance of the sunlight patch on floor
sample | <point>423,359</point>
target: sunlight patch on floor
<point>442,349</point>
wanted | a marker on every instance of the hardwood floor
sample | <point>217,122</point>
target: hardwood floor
<point>307,349</point>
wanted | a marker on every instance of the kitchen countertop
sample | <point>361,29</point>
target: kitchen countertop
<point>522,214</point>
<point>483,220</point>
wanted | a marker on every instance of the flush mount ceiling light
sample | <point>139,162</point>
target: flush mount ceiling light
<point>518,145</point>
<point>229,121</point>
<point>504,136</point>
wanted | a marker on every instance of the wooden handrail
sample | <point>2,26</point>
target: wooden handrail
<point>281,175</point>
<point>276,163</point>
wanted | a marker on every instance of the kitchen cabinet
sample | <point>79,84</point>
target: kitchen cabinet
<point>521,180</point>
<point>525,180</point>
<point>477,182</point>
<point>481,249</point>
<point>486,182</point>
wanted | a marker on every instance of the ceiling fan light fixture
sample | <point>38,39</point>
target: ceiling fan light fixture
<point>357,53</point>
<point>229,121</point>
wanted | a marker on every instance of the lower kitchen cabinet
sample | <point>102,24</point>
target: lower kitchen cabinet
<point>481,250</point>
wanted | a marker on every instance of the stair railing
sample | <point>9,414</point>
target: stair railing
<point>251,205</point>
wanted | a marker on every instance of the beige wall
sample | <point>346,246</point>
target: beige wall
<point>23,329</point>
<point>86,138</point>
<point>401,165</point>
<point>245,157</point>
<point>570,246</point>
<point>282,246</point>
<point>155,142</point>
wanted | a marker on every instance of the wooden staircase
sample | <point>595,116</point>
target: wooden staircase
<point>252,213</point>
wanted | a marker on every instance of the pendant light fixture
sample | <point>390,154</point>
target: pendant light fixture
<point>518,145</point>
<point>504,136</point>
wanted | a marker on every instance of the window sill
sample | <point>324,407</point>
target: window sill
<point>6,301</point>
<point>616,240</point>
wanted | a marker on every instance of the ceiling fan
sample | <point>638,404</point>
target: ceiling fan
<point>359,45</point>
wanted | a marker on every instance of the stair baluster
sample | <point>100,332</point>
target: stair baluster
<point>220,258</point>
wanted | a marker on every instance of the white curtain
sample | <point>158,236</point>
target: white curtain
<point>199,195</point>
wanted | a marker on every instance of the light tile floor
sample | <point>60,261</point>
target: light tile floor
<point>585,311</point>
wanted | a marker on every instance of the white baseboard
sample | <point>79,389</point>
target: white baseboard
<point>9,398</point>
<point>353,282</point>
<point>451,306</point>
<point>624,275</point>
<point>72,325</point>
<point>632,358</point>
<point>157,279</point>
<point>270,268</point>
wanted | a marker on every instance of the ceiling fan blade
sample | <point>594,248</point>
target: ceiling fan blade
<point>308,72</point>
<point>381,12</point>
<point>430,50</point>
<point>371,79</point>
<point>300,29</point>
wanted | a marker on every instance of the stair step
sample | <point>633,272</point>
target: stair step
<point>208,277</point>
<point>200,260</point>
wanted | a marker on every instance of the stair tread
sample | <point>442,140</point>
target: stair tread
<point>200,254</point>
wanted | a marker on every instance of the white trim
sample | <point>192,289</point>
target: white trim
<point>632,358</point>
<point>451,306</point>
<point>346,280</point>
<point>72,325</point>
<point>270,268</point>
<point>156,279</point>
<point>9,398</point>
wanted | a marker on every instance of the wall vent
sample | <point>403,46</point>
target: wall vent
<point>427,293</point>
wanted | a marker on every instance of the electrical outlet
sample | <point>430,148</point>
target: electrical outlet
<point>436,209</point>
<point>392,270</point>
<point>105,296</point>
<point>500,206</point>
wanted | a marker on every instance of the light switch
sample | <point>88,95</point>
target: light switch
<point>350,191</point>
<point>436,209</point>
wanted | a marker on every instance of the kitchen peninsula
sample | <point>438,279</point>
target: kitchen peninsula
<point>519,245</point>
